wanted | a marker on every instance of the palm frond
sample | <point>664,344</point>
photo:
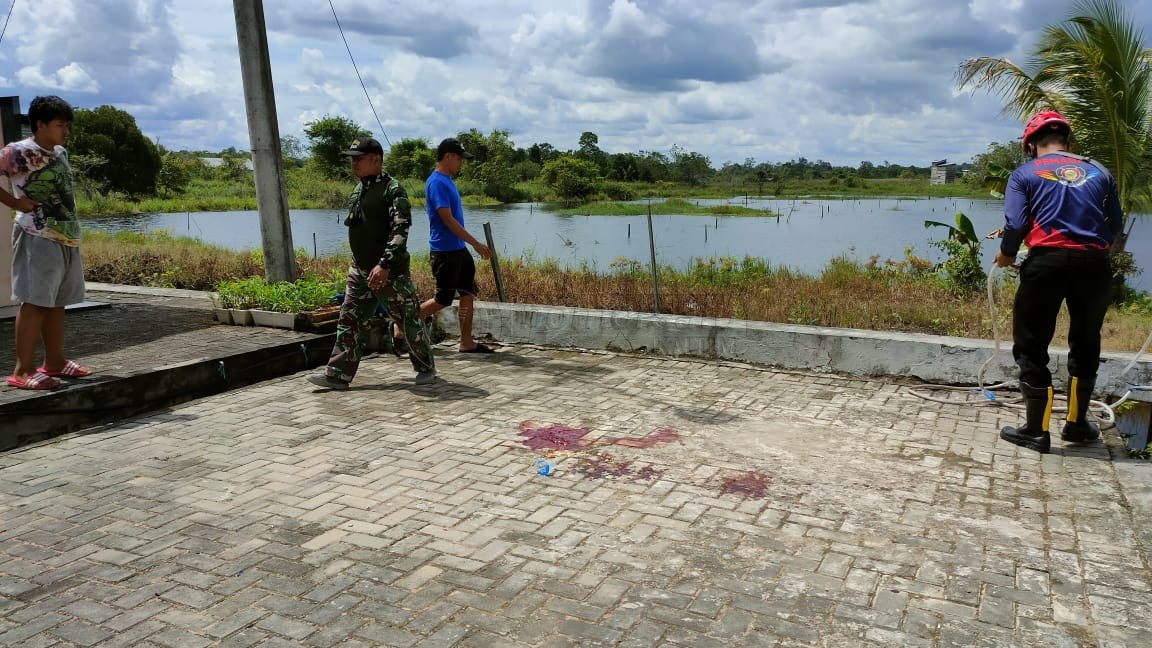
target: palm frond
<point>1094,69</point>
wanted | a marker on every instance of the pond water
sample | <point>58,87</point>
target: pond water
<point>806,235</point>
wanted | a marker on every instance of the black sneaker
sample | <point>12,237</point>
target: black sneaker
<point>1025,438</point>
<point>1080,432</point>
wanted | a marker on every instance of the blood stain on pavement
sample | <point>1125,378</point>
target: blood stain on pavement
<point>749,485</point>
<point>600,465</point>
<point>552,437</point>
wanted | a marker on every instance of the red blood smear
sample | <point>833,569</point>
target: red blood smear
<point>552,437</point>
<point>749,485</point>
<point>601,465</point>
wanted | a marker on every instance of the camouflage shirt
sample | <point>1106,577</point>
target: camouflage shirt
<point>379,218</point>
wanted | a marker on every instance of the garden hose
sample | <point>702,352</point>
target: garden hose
<point>1105,412</point>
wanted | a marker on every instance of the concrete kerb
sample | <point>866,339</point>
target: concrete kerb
<point>107,398</point>
<point>931,358</point>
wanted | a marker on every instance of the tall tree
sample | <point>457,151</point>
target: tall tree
<point>1094,69</point>
<point>410,158</point>
<point>690,167</point>
<point>130,162</point>
<point>542,153</point>
<point>574,179</point>
<point>493,166</point>
<point>990,168</point>
<point>327,137</point>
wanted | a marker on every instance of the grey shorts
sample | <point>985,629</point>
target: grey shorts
<point>45,273</point>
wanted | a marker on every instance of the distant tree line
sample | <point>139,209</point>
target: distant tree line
<point>112,155</point>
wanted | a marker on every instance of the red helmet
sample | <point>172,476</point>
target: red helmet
<point>1045,120</point>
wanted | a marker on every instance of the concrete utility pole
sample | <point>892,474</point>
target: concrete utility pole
<point>260,100</point>
<point>10,131</point>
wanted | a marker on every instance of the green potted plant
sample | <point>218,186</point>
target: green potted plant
<point>239,296</point>
<point>278,304</point>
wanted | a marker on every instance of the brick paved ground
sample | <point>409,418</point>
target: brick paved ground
<point>742,507</point>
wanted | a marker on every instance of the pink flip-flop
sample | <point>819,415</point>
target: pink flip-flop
<point>71,370</point>
<point>37,382</point>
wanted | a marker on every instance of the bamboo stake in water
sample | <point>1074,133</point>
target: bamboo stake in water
<point>655,274</point>
<point>495,262</point>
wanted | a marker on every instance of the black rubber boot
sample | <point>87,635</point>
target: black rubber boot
<point>1077,428</point>
<point>1034,433</point>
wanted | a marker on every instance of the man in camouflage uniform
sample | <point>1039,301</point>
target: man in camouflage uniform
<point>378,221</point>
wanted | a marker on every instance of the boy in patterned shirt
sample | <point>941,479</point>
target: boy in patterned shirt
<point>47,272</point>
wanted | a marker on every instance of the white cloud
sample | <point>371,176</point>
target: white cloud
<point>70,78</point>
<point>839,80</point>
<point>626,19</point>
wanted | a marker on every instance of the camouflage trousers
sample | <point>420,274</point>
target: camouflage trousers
<point>403,307</point>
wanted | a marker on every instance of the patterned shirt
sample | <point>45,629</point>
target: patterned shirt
<point>1060,200</point>
<point>46,177</point>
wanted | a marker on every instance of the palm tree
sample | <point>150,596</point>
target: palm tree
<point>1094,69</point>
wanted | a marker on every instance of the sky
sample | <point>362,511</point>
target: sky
<point>842,81</point>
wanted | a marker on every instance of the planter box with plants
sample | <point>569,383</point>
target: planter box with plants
<point>281,304</point>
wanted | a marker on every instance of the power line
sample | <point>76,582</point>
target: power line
<point>354,67</point>
<point>10,8</point>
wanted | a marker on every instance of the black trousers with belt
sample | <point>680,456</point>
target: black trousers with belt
<point>1049,277</point>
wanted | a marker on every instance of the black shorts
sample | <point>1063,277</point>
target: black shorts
<point>455,274</point>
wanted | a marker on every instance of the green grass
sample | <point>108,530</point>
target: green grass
<point>903,295</point>
<point>308,190</point>
<point>304,191</point>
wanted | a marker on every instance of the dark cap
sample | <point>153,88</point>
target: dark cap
<point>362,145</point>
<point>452,145</point>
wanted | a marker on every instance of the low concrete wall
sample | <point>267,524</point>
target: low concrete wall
<point>932,358</point>
<point>106,397</point>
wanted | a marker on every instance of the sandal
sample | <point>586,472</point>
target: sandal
<point>479,348</point>
<point>37,382</point>
<point>71,370</point>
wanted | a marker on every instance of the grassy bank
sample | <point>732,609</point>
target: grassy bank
<point>876,295</point>
<point>304,191</point>
<point>307,190</point>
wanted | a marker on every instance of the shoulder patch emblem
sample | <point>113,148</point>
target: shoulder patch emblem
<point>1070,175</point>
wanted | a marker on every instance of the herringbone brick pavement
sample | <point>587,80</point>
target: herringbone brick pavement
<point>691,503</point>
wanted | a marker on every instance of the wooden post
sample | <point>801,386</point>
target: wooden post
<point>655,271</point>
<point>495,262</point>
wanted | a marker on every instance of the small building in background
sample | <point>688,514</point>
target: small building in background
<point>942,173</point>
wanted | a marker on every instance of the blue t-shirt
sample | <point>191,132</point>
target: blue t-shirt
<point>440,191</point>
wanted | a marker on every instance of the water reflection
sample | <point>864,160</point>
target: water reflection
<point>805,236</point>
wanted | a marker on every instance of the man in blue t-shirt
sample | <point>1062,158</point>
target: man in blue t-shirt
<point>1066,209</point>
<point>452,264</point>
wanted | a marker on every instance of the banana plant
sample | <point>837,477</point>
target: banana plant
<point>962,267</point>
<point>962,232</point>
<point>996,180</point>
